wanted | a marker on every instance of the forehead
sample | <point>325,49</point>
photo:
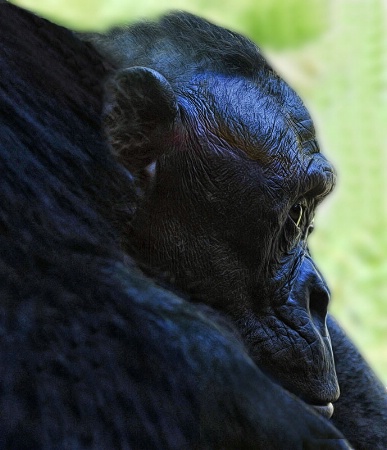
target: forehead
<point>265,119</point>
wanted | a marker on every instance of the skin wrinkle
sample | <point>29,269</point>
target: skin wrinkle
<point>286,163</point>
<point>231,134</point>
<point>284,338</point>
<point>287,332</point>
<point>290,275</point>
<point>308,352</point>
<point>289,341</point>
<point>297,320</point>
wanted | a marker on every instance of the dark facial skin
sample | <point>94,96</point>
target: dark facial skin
<point>227,217</point>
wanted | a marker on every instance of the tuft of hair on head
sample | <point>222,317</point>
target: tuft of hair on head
<point>180,45</point>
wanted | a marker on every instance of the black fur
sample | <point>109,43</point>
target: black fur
<point>93,354</point>
<point>203,220</point>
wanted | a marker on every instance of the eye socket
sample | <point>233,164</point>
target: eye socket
<point>296,212</point>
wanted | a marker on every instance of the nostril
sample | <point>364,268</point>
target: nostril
<point>318,308</point>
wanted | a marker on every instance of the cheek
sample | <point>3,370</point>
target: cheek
<point>292,352</point>
<point>214,211</point>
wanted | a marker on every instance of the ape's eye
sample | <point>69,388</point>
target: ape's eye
<point>296,213</point>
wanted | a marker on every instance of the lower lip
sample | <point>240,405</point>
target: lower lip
<point>326,410</point>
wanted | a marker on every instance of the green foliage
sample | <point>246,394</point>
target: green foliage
<point>349,102</point>
<point>91,14</point>
<point>278,24</point>
<point>267,21</point>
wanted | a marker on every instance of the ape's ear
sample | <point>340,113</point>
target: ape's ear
<point>140,114</point>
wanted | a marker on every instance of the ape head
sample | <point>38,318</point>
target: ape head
<point>231,177</point>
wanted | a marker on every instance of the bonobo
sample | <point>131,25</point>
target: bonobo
<point>229,177</point>
<point>238,177</point>
<point>94,355</point>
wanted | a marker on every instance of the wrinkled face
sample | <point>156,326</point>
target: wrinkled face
<point>228,216</point>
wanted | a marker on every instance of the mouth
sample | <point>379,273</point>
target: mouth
<point>325,410</point>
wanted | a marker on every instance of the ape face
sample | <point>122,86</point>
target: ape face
<point>229,202</point>
<point>228,216</point>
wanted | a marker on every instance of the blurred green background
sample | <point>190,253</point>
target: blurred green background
<point>334,53</point>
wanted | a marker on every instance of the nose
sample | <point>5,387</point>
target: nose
<point>311,292</point>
